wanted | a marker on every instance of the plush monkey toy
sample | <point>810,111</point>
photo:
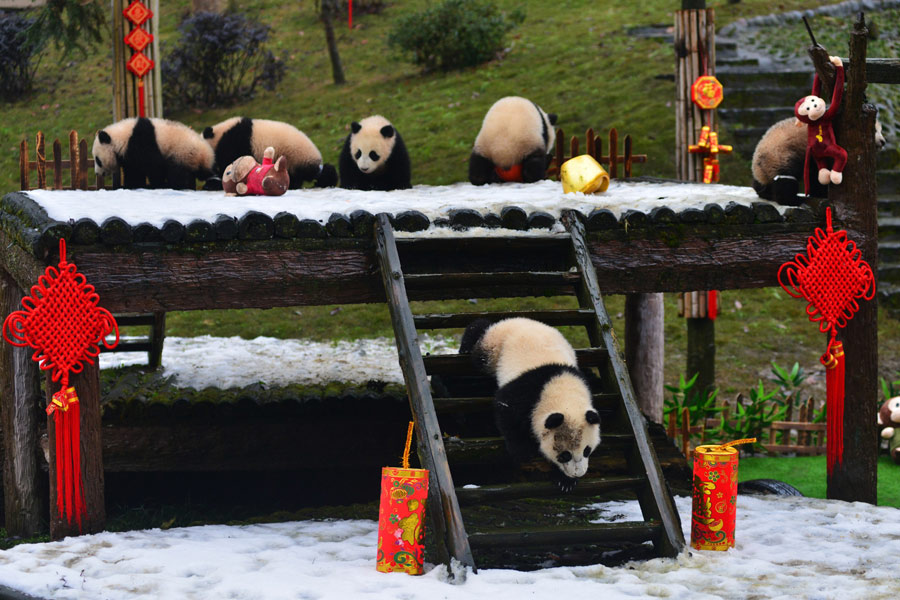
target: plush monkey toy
<point>820,142</point>
<point>245,177</point>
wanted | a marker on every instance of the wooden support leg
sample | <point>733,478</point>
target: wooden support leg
<point>157,338</point>
<point>644,351</point>
<point>87,385</point>
<point>24,485</point>
<point>701,353</point>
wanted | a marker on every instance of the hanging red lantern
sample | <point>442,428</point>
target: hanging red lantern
<point>831,277</point>
<point>64,325</point>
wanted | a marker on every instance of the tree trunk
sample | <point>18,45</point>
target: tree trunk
<point>328,10</point>
<point>645,351</point>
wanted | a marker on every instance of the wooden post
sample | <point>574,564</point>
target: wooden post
<point>87,386</point>
<point>645,351</point>
<point>694,37</point>
<point>24,485</point>
<point>854,202</point>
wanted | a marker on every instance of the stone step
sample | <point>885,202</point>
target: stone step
<point>765,116</point>
<point>798,81</point>
<point>887,158</point>
<point>744,139</point>
<point>888,252</point>
<point>889,273</point>
<point>889,298</point>
<point>888,205</point>
<point>888,182</point>
<point>760,96</point>
<point>889,229</point>
<point>736,61</point>
<point>726,48</point>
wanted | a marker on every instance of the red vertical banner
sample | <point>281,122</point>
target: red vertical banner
<point>138,39</point>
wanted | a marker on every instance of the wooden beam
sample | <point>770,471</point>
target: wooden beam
<point>855,205</point>
<point>645,351</point>
<point>24,485</point>
<point>879,70</point>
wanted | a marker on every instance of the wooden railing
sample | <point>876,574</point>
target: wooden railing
<point>594,147</point>
<point>75,168</point>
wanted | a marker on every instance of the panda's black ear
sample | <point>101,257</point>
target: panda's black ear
<point>355,127</point>
<point>103,137</point>
<point>552,118</point>
<point>592,417</point>
<point>554,421</point>
<point>208,133</point>
<point>387,131</point>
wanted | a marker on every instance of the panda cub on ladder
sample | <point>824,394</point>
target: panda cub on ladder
<point>543,404</point>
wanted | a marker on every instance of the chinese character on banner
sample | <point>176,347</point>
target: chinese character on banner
<point>137,39</point>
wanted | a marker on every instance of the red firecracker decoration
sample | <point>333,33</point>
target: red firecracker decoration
<point>64,325</point>
<point>831,276</point>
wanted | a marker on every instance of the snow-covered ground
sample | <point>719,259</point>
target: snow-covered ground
<point>791,548</point>
<point>156,206</point>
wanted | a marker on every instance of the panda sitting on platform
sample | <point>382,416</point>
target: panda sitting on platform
<point>543,406</point>
<point>778,161</point>
<point>241,136</point>
<point>514,143</point>
<point>165,153</point>
<point>374,157</point>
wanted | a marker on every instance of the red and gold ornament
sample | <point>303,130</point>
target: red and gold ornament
<point>831,276</point>
<point>64,325</point>
<point>138,39</point>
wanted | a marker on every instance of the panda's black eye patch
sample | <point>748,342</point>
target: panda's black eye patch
<point>592,417</point>
<point>564,457</point>
<point>554,420</point>
<point>358,154</point>
<point>373,155</point>
<point>98,161</point>
<point>587,451</point>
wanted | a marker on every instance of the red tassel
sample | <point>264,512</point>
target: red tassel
<point>834,404</point>
<point>712,305</point>
<point>78,488</point>
<point>350,14</point>
<point>60,469</point>
<point>69,487</point>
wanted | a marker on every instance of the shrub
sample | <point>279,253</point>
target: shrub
<point>454,34</point>
<point>17,57</point>
<point>219,60</point>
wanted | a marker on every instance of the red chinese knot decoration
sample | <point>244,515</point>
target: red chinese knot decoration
<point>831,276</point>
<point>64,325</point>
<point>137,39</point>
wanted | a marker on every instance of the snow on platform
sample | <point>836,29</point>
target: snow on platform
<point>787,548</point>
<point>435,202</point>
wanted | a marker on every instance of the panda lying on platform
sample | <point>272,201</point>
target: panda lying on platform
<point>166,153</point>
<point>240,136</point>
<point>544,404</point>
<point>778,161</point>
<point>513,144</point>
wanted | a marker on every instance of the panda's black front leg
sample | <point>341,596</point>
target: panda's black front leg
<point>534,167</point>
<point>481,170</point>
<point>565,483</point>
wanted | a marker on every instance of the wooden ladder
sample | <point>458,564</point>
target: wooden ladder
<point>494,267</point>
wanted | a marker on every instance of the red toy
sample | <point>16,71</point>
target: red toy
<point>244,177</point>
<point>820,142</point>
<point>64,325</point>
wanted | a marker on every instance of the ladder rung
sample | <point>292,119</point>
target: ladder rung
<point>432,281</point>
<point>475,450</point>
<point>629,531</point>
<point>128,347</point>
<point>461,364</point>
<point>580,316</point>
<point>606,404</point>
<point>542,489</point>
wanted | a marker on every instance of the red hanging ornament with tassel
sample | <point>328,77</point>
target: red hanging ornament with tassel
<point>831,277</point>
<point>64,325</point>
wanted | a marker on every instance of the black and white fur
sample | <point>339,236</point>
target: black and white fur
<point>778,161</point>
<point>515,131</point>
<point>241,136</point>
<point>543,404</point>
<point>374,157</point>
<point>167,154</point>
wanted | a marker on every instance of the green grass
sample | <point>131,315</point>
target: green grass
<point>807,474</point>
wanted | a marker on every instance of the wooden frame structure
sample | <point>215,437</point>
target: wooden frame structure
<point>594,147</point>
<point>77,165</point>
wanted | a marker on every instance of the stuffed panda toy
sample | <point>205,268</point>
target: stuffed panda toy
<point>778,161</point>
<point>164,153</point>
<point>374,157</point>
<point>543,406</point>
<point>514,143</point>
<point>241,136</point>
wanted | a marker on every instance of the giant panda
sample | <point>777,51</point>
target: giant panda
<point>778,161</point>
<point>241,136</point>
<point>374,157</point>
<point>165,153</point>
<point>513,144</point>
<point>543,405</point>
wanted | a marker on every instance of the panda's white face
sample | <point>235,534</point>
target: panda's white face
<point>812,107</point>
<point>371,143</point>
<point>568,427</point>
<point>105,159</point>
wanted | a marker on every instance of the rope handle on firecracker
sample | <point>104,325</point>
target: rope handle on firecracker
<point>735,443</point>
<point>409,433</point>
